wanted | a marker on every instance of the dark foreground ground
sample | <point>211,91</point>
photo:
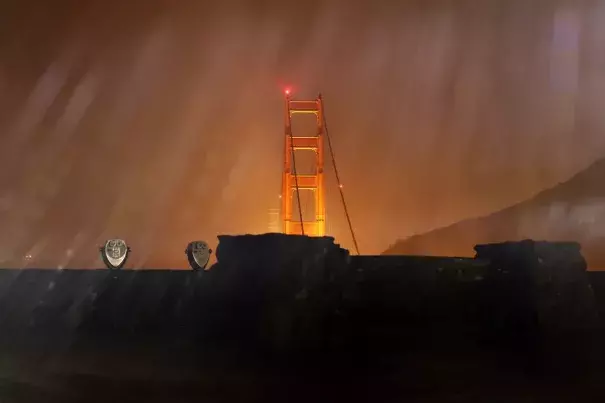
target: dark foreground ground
<point>297,319</point>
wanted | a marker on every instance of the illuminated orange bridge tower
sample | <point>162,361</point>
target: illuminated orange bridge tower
<point>292,182</point>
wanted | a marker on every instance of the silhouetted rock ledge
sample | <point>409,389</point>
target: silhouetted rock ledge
<point>275,248</point>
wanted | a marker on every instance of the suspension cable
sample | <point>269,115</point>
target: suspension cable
<point>302,227</point>
<point>342,195</point>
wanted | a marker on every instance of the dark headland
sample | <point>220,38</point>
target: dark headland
<point>573,209</point>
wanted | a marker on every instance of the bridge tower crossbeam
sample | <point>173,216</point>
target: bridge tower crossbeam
<point>292,181</point>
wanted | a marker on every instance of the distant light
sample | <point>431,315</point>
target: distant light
<point>115,253</point>
<point>279,196</point>
<point>340,186</point>
<point>198,254</point>
<point>287,91</point>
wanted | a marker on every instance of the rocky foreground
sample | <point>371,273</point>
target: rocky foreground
<point>296,318</point>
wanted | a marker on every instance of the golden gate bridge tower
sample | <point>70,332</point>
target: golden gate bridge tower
<point>292,182</point>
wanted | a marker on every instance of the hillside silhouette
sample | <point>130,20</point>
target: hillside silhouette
<point>572,210</point>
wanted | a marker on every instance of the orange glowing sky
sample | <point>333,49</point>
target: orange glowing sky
<point>162,122</point>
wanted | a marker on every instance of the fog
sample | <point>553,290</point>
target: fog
<point>162,122</point>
